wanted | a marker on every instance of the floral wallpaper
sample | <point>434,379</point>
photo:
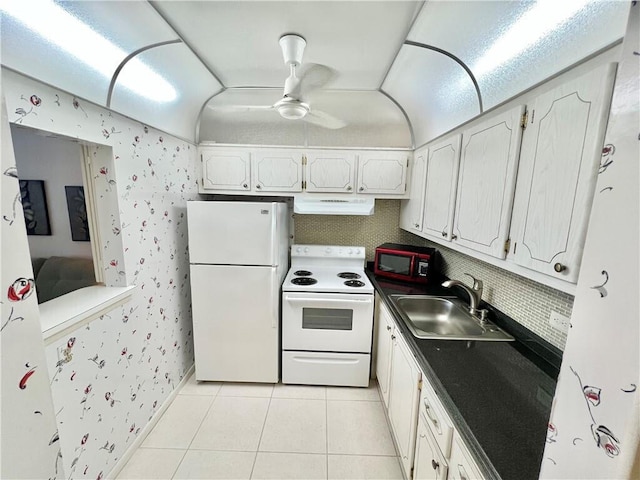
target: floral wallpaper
<point>593,431</point>
<point>29,435</point>
<point>109,377</point>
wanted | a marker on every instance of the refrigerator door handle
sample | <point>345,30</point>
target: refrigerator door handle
<point>275,298</point>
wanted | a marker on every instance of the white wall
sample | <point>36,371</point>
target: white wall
<point>109,377</point>
<point>594,430</point>
<point>58,162</point>
<point>28,433</point>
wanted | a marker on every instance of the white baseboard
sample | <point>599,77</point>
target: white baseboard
<point>148,427</point>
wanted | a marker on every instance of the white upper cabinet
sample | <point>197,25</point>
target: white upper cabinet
<point>331,171</point>
<point>486,182</point>
<point>228,169</point>
<point>440,191</point>
<point>277,170</point>
<point>383,172</point>
<point>559,163</point>
<point>411,211</point>
<point>274,171</point>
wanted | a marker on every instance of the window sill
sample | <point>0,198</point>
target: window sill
<point>64,314</point>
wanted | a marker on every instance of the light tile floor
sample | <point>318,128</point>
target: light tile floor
<point>253,431</point>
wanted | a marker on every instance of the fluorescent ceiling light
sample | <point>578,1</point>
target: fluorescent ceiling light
<point>539,20</point>
<point>62,29</point>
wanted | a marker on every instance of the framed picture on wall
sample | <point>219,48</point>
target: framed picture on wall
<point>34,205</point>
<point>77,213</point>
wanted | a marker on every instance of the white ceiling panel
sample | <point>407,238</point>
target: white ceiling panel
<point>371,120</point>
<point>184,73</point>
<point>238,40</point>
<point>511,46</point>
<point>434,90</point>
<point>77,45</point>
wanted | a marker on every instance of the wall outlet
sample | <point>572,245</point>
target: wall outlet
<point>558,321</point>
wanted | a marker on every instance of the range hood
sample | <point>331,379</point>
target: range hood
<point>333,206</point>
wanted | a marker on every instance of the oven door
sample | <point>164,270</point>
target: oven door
<point>327,322</point>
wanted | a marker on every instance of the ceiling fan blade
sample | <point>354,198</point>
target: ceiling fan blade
<point>240,108</point>
<point>314,76</point>
<point>323,119</point>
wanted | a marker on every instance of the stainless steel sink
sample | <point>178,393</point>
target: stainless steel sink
<point>445,318</point>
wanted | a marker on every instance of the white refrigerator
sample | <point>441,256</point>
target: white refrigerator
<point>238,256</point>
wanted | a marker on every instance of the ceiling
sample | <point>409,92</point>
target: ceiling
<point>404,72</point>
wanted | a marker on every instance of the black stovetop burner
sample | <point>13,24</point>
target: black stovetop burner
<point>348,275</point>
<point>304,281</point>
<point>302,273</point>
<point>354,283</point>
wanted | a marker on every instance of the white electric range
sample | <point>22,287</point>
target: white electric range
<point>327,317</point>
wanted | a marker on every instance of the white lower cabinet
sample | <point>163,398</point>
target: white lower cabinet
<point>461,464</point>
<point>429,462</point>
<point>384,323</point>
<point>428,444</point>
<point>404,393</point>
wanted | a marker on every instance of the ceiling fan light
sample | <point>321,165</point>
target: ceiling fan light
<point>292,111</point>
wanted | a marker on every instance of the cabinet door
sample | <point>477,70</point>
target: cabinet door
<point>404,392</point>
<point>561,149</point>
<point>277,171</point>
<point>429,463</point>
<point>486,182</point>
<point>330,171</point>
<point>225,169</point>
<point>411,210</point>
<point>383,351</point>
<point>440,191</point>
<point>383,172</point>
<point>461,464</point>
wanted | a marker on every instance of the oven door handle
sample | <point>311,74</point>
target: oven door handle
<point>325,300</point>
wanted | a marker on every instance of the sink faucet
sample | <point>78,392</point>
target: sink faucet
<point>474,292</point>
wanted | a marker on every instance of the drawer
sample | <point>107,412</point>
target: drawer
<point>461,464</point>
<point>436,417</point>
<point>320,368</point>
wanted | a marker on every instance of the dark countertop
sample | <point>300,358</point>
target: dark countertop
<point>498,394</point>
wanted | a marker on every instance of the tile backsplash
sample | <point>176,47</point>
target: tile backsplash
<point>524,300</point>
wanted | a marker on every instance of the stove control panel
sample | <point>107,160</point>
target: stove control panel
<point>327,251</point>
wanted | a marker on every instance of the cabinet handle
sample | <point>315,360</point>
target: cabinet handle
<point>258,187</point>
<point>244,185</point>
<point>463,473</point>
<point>427,409</point>
<point>435,464</point>
<point>388,328</point>
<point>361,189</point>
<point>349,188</point>
<point>558,267</point>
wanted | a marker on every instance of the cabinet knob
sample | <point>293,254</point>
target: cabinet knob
<point>244,185</point>
<point>361,189</point>
<point>258,187</point>
<point>435,464</point>
<point>416,225</point>
<point>388,328</point>
<point>558,267</point>
<point>444,233</point>
<point>349,188</point>
<point>393,337</point>
<point>454,237</point>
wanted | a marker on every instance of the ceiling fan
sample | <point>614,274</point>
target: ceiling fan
<point>293,104</point>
